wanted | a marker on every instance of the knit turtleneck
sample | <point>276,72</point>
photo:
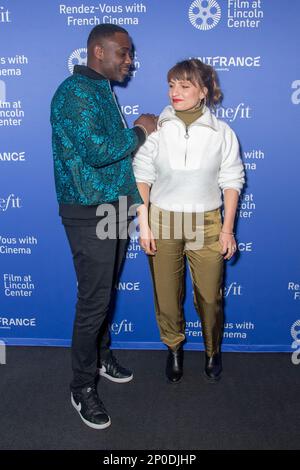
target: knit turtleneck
<point>189,116</point>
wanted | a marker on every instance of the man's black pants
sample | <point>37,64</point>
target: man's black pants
<point>97,264</point>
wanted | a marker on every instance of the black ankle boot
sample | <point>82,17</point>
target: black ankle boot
<point>174,367</point>
<point>213,367</point>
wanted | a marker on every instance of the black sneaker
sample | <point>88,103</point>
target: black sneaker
<point>113,371</point>
<point>90,408</point>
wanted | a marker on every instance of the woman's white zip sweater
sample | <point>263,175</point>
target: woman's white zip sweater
<point>187,167</point>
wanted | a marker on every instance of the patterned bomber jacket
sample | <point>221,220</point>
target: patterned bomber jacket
<point>92,149</point>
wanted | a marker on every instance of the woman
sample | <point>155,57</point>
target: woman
<point>181,171</point>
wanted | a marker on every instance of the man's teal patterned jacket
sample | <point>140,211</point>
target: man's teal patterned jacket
<point>92,149</point>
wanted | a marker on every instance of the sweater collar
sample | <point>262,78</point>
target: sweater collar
<point>207,118</point>
<point>88,72</point>
<point>190,116</point>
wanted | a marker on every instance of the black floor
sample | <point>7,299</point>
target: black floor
<point>256,405</point>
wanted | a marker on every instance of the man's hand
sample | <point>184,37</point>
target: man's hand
<point>148,121</point>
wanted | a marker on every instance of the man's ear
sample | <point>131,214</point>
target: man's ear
<point>98,51</point>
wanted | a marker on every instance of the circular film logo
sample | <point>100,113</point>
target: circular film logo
<point>78,57</point>
<point>295,331</point>
<point>204,14</point>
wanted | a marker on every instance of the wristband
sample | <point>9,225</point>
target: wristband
<point>228,233</point>
<point>143,129</point>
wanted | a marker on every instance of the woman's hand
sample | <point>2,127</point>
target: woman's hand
<point>146,240</point>
<point>228,245</point>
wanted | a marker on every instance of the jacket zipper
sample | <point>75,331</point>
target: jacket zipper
<point>186,136</point>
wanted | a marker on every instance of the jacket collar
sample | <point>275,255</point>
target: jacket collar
<point>207,118</point>
<point>88,72</point>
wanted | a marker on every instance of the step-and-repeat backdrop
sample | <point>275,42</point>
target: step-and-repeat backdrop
<point>254,46</point>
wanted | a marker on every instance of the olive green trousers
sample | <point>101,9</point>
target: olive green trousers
<point>199,244</point>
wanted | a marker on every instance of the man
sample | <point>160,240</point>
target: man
<point>92,150</point>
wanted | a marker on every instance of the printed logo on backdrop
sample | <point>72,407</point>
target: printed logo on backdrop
<point>228,63</point>
<point>123,326</point>
<point>231,114</point>
<point>295,333</point>
<point>18,285</point>
<point>246,247</point>
<point>12,157</point>
<point>131,109</point>
<point>10,202</point>
<point>246,206</point>
<point>9,323</point>
<point>232,290</point>
<point>21,245</point>
<point>251,158</point>
<point>11,112</point>
<point>204,14</point>
<point>134,248</point>
<point>92,15</point>
<point>237,330</point>
<point>240,14</point>
<point>78,57</point>
<point>243,14</point>
<point>294,288</point>
<point>128,286</point>
<point>10,66</point>
<point>5,15</point>
<point>295,98</point>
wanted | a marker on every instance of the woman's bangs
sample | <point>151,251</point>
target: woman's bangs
<point>180,73</point>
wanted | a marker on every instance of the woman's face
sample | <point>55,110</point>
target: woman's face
<point>184,95</point>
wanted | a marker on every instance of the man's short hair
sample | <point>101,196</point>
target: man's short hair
<point>102,31</point>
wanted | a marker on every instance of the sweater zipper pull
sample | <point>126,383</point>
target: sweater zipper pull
<point>186,136</point>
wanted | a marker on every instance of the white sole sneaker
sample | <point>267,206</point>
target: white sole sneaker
<point>103,373</point>
<point>88,423</point>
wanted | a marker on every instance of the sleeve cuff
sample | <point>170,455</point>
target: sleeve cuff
<point>228,187</point>
<point>140,135</point>
<point>139,180</point>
